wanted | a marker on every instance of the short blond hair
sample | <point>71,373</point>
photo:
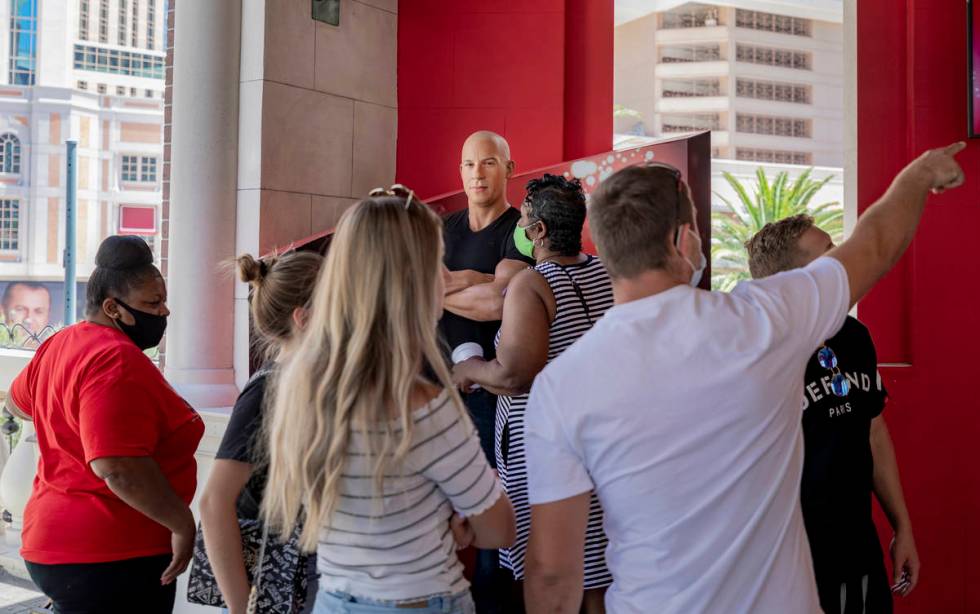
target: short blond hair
<point>776,247</point>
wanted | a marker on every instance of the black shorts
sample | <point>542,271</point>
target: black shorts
<point>131,585</point>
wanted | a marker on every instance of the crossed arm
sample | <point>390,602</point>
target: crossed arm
<point>523,351</point>
<point>484,301</point>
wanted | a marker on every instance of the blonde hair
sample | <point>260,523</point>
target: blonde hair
<point>279,285</point>
<point>371,332</point>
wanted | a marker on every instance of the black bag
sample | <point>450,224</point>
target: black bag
<point>283,576</point>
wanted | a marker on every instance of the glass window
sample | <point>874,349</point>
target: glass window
<point>136,23</point>
<point>9,225</point>
<point>121,34</point>
<point>120,90</point>
<point>101,88</point>
<point>83,85</point>
<point>690,15</point>
<point>784,58</point>
<point>130,169</point>
<point>776,126</point>
<point>691,123</point>
<point>151,20</point>
<point>122,62</point>
<point>103,21</point>
<point>749,154</point>
<point>148,169</point>
<point>23,42</point>
<point>9,153</point>
<point>690,53</point>
<point>83,19</point>
<point>132,92</point>
<point>768,22</point>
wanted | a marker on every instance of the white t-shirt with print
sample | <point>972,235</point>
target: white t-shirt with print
<point>682,410</point>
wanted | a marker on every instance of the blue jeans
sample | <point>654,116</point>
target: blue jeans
<point>342,603</point>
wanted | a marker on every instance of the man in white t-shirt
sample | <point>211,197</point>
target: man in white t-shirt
<point>681,409</point>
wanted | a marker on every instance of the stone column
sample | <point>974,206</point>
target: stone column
<point>203,202</point>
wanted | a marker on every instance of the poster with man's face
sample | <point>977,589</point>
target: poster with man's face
<point>34,309</point>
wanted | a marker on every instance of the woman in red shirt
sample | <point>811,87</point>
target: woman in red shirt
<point>108,528</point>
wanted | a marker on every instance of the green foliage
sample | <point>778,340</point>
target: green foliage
<point>623,111</point>
<point>770,201</point>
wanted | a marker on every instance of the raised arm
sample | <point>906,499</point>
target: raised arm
<point>485,302</point>
<point>887,227</point>
<point>523,350</point>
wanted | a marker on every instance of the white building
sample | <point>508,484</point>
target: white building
<point>766,76</point>
<point>93,71</point>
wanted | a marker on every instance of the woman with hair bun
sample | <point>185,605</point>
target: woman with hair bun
<point>108,528</point>
<point>281,288</point>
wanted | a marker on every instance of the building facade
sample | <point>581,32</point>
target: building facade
<point>769,86</point>
<point>92,71</point>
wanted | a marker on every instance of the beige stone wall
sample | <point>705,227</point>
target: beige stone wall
<point>318,111</point>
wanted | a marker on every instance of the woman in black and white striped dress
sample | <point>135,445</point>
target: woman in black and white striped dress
<point>547,308</point>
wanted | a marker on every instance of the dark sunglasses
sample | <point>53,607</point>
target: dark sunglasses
<point>838,382</point>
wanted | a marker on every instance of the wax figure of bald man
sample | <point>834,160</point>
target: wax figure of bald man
<point>481,258</point>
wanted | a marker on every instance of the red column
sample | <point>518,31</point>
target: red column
<point>589,26</point>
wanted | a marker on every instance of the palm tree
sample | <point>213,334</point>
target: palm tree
<point>770,201</point>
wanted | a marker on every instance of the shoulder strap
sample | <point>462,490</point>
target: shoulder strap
<point>253,595</point>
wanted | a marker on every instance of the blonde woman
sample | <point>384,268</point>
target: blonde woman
<point>281,289</point>
<point>376,455</point>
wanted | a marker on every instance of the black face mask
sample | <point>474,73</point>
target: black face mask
<point>148,330</point>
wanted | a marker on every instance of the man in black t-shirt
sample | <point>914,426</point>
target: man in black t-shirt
<point>848,451</point>
<point>481,258</point>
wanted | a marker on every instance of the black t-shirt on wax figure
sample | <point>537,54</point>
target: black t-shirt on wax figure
<point>838,466</point>
<point>478,251</point>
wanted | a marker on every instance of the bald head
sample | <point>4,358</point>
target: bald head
<point>488,138</point>
<point>485,166</point>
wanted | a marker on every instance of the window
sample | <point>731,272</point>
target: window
<point>151,240</point>
<point>82,85</point>
<point>103,21</point>
<point>775,126</point>
<point>139,169</point>
<point>151,23</point>
<point>130,169</point>
<point>83,20</point>
<point>101,88</point>
<point>9,225</point>
<point>150,94</point>
<point>691,123</point>
<point>136,22</point>
<point>120,90</point>
<point>148,169</point>
<point>132,92</point>
<point>670,54</point>
<point>768,22</point>
<point>120,62</point>
<point>23,41</point>
<point>774,156</point>
<point>784,58</point>
<point>690,15</point>
<point>771,90</point>
<point>9,154</point>
<point>691,88</point>
<point>122,23</point>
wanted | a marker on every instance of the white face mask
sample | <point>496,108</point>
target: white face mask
<point>696,271</point>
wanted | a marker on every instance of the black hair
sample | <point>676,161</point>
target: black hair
<point>121,264</point>
<point>30,285</point>
<point>560,204</point>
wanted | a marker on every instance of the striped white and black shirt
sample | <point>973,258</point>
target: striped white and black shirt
<point>399,546</point>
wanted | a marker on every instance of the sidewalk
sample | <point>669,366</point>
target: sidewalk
<point>19,596</point>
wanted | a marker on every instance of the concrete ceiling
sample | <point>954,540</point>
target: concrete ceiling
<point>823,10</point>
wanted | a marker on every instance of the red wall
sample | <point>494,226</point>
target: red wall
<point>538,72</point>
<point>912,93</point>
